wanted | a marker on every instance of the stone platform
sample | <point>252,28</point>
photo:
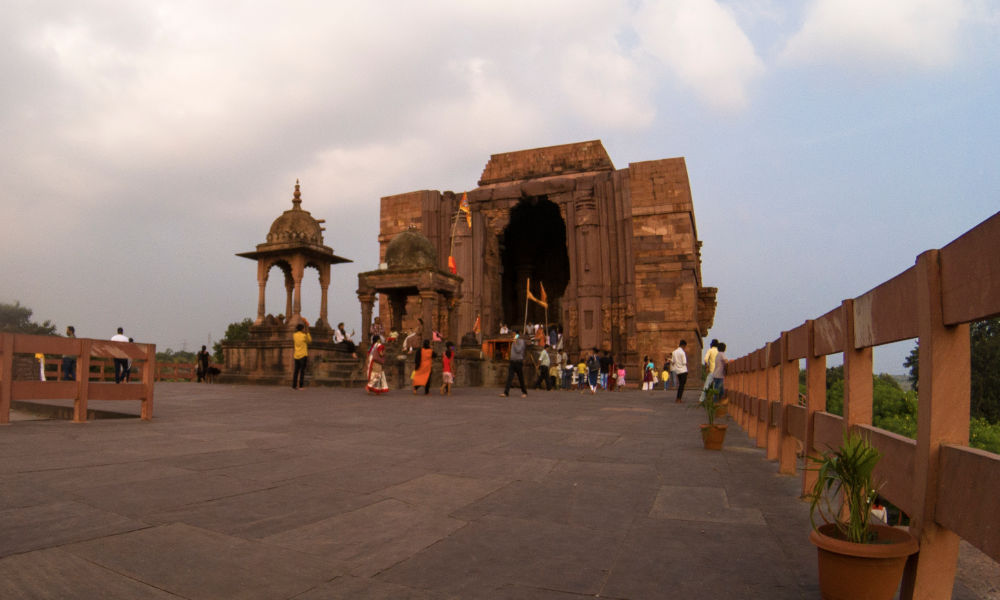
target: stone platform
<point>263,492</point>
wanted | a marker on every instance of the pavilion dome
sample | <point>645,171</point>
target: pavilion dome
<point>410,249</point>
<point>296,225</point>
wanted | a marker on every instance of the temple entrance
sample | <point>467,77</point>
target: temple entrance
<point>533,245</point>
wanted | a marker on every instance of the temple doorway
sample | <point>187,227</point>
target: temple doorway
<point>533,245</point>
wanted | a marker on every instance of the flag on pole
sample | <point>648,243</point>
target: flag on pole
<point>475,328</point>
<point>531,296</point>
<point>463,206</point>
<point>545,299</point>
<point>452,266</point>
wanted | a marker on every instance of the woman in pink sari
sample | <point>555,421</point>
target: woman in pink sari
<point>376,376</point>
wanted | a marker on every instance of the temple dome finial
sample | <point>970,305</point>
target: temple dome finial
<point>297,197</point>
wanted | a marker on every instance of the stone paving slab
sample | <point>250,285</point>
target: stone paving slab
<point>262,492</point>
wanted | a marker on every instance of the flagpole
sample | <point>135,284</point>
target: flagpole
<point>526,295</point>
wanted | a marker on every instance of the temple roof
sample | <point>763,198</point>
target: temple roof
<point>579,157</point>
<point>296,230</point>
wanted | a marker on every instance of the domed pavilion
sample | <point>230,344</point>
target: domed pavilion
<point>294,243</point>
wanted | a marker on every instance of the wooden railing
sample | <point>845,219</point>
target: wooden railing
<point>103,369</point>
<point>950,491</point>
<point>83,389</point>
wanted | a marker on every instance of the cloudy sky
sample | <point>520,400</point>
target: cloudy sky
<point>143,144</point>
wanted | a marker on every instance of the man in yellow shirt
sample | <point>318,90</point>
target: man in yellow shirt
<point>300,340</point>
<point>713,351</point>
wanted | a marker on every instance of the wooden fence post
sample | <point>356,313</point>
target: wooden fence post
<point>789,394</point>
<point>942,418</point>
<point>6,375</point>
<point>857,375</point>
<point>82,382</point>
<point>815,402</point>
<point>148,377</point>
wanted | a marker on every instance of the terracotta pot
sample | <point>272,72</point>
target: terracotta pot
<point>713,436</point>
<point>849,571</point>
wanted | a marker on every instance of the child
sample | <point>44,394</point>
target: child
<point>447,372</point>
<point>581,373</point>
<point>621,377</point>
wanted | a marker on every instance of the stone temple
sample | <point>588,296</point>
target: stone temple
<point>616,250</point>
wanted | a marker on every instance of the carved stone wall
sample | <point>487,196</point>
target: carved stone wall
<point>634,256</point>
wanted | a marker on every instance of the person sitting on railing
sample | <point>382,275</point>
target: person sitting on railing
<point>343,340</point>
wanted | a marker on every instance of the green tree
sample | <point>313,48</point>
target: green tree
<point>984,391</point>
<point>15,318</point>
<point>236,332</point>
<point>170,356</point>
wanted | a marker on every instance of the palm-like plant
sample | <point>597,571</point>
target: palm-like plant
<point>709,404</point>
<point>847,474</point>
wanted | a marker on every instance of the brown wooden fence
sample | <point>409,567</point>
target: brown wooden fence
<point>85,388</point>
<point>103,369</point>
<point>950,491</point>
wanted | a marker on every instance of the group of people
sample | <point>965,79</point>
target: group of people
<point>595,370</point>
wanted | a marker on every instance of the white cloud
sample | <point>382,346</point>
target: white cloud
<point>702,43</point>
<point>879,35</point>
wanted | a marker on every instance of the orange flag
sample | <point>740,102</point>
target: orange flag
<point>531,296</point>
<point>475,328</point>
<point>464,207</point>
<point>451,265</point>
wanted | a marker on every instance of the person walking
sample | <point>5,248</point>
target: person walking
<point>121,364</point>
<point>202,360</point>
<point>679,365</point>
<point>447,366</point>
<point>593,370</point>
<point>709,362</point>
<point>69,360</point>
<point>605,368</point>
<point>300,354</point>
<point>719,372</point>
<point>376,376</point>
<point>647,374</point>
<point>544,362</point>
<point>515,366</point>
<point>422,368</point>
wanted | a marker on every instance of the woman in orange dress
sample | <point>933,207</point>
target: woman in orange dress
<point>422,370</point>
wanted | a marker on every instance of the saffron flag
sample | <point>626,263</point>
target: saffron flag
<point>545,299</point>
<point>451,265</point>
<point>475,328</point>
<point>464,207</point>
<point>531,296</point>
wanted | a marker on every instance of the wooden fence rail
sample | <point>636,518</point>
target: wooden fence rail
<point>83,389</point>
<point>949,490</point>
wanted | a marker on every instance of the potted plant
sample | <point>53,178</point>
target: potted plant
<point>712,435</point>
<point>857,559</point>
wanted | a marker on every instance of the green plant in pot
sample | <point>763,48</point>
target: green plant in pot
<point>857,559</point>
<point>712,435</point>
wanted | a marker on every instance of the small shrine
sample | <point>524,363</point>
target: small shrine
<point>294,244</point>
<point>411,272</point>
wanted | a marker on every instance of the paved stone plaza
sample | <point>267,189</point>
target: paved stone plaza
<point>261,492</point>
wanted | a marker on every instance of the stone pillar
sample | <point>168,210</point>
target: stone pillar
<point>297,272</point>
<point>261,303</point>
<point>428,310</point>
<point>367,300</point>
<point>289,290</point>
<point>324,285</point>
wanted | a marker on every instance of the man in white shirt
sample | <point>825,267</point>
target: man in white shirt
<point>121,364</point>
<point>679,365</point>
